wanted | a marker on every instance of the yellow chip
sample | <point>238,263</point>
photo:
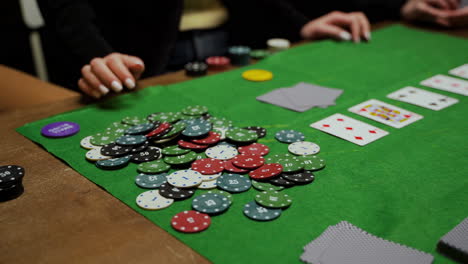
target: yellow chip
<point>257,75</point>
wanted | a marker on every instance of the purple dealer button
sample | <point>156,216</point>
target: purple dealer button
<point>60,129</point>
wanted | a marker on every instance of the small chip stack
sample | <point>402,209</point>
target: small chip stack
<point>239,55</point>
<point>278,44</point>
<point>11,182</point>
<point>259,54</point>
<point>218,63</point>
<point>195,69</point>
<point>180,154</point>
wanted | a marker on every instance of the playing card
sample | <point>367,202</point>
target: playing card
<point>276,97</point>
<point>448,84</point>
<point>457,239</point>
<point>304,94</point>
<point>385,113</point>
<point>423,98</point>
<point>461,71</point>
<point>349,129</point>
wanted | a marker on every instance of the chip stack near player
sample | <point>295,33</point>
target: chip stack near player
<point>239,55</point>
<point>278,44</point>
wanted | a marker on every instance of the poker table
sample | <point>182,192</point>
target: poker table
<point>408,187</point>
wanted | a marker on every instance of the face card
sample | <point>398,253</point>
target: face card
<point>461,71</point>
<point>448,84</point>
<point>385,113</point>
<point>349,129</point>
<point>423,98</point>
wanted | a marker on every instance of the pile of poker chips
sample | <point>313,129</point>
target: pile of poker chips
<point>196,68</point>
<point>239,55</point>
<point>278,44</point>
<point>11,182</point>
<point>180,152</point>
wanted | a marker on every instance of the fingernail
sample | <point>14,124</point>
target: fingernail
<point>116,86</point>
<point>345,36</point>
<point>368,36</point>
<point>357,41</point>
<point>104,90</point>
<point>95,94</point>
<point>139,62</point>
<point>130,83</point>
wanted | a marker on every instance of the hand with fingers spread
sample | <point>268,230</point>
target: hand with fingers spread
<point>434,11</point>
<point>338,25</point>
<point>112,71</point>
<point>458,18</point>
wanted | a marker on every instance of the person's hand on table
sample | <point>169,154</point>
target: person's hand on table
<point>434,11</point>
<point>338,25</point>
<point>110,72</point>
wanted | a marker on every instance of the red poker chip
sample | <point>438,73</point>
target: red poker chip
<point>212,138</point>
<point>218,61</point>
<point>208,166</point>
<point>228,166</point>
<point>190,221</point>
<point>248,161</point>
<point>266,171</point>
<point>160,130</point>
<point>254,148</point>
<point>190,145</point>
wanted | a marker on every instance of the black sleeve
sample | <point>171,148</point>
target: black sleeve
<point>73,22</point>
<point>379,10</point>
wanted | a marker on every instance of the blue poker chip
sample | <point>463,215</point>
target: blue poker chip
<point>211,203</point>
<point>129,140</point>
<point>233,183</point>
<point>257,212</point>
<point>150,181</point>
<point>140,129</point>
<point>289,136</point>
<point>113,164</point>
<point>197,128</point>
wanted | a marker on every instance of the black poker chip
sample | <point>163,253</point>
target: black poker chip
<point>149,154</point>
<point>261,132</point>
<point>11,175</point>
<point>302,177</point>
<point>169,191</point>
<point>115,150</point>
<point>196,68</point>
<point>11,193</point>
<point>140,148</point>
<point>280,181</point>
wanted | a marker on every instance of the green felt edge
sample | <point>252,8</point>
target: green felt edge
<point>407,187</point>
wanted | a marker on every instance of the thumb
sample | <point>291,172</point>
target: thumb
<point>135,65</point>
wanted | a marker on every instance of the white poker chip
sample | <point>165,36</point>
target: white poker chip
<point>221,152</point>
<point>210,177</point>
<point>95,155</point>
<point>184,178</point>
<point>86,143</point>
<point>207,185</point>
<point>278,44</point>
<point>152,200</point>
<point>304,148</point>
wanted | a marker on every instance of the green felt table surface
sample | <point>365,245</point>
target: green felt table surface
<point>409,187</point>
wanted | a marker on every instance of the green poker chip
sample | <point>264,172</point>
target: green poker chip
<point>312,163</point>
<point>197,128</point>
<point>289,136</point>
<point>276,157</point>
<point>113,164</point>
<point>133,120</point>
<point>140,129</point>
<point>211,203</point>
<point>228,195</point>
<point>174,151</point>
<point>182,159</point>
<point>196,110</point>
<point>129,140</point>
<point>101,139</point>
<point>153,167</point>
<point>150,181</point>
<point>273,199</point>
<point>190,117</point>
<point>220,122</point>
<point>169,117</point>
<point>201,155</point>
<point>256,212</point>
<point>241,135</point>
<point>292,164</point>
<point>265,186</point>
<point>117,126</point>
<point>177,128</point>
<point>259,54</point>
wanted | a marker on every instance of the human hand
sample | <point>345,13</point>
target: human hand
<point>338,25</point>
<point>111,71</point>
<point>435,11</point>
<point>458,18</point>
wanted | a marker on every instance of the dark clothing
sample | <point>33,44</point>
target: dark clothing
<point>79,30</point>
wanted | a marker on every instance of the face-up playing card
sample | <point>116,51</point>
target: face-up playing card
<point>385,113</point>
<point>448,84</point>
<point>423,98</point>
<point>461,71</point>
<point>349,129</point>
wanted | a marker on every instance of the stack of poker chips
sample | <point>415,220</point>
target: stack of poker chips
<point>455,243</point>
<point>278,44</point>
<point>196,68</point>
<point>239,55</point>
<point>218,63</point>
<point>259,54</point>
<point>11,182</point>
